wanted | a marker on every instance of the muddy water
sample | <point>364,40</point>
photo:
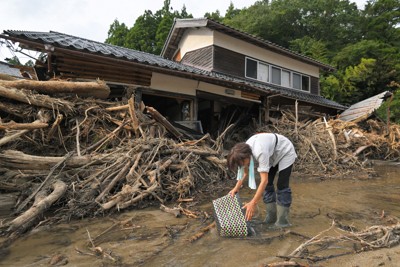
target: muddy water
<point>154,238</point>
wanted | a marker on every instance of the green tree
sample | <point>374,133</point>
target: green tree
<point>230,13</point>
<point>149,32</point>
<point>382,20</point>
<point>385,71</point>
<point>142,36</point>
<point>216,15</point>
<point>394,107</point>
<point>344,86</point>
<point>310,47</point>
<point>117,33</point>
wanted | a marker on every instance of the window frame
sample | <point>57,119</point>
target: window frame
<point>269,78</point>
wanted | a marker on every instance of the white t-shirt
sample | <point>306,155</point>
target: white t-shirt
<point>268,155</point>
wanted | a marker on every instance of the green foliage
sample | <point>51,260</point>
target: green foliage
<point>149,32</point>
<point>13,61</point>
<point>310,47</point>
<point>385,70</point>
<point>214,16</point>
<point>342,86</point>
<point>381,21</point>
<point>117,33</point>
<point>394,108</point>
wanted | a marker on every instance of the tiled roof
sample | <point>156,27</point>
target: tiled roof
<point>57,39</point>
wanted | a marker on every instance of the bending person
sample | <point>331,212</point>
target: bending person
<point>273,153</point>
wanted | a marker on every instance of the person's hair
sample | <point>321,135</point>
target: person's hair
<point>238,153</point>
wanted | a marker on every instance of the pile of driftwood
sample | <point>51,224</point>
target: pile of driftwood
<point>335,148</point>
<point>86,156</point>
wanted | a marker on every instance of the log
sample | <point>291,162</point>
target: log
<point>14,159</point>
<point>202,232</point>
<point>163,121</point>
<point>153,174</point>
<point>121,175</point>
<point>126,192</point>
<point>6,139</point>
<point>41,204</point>
<point>23,126</point>
<point>118,108</point>
<point>96,89</point>
<point>26,96</point>
<point>132,113</point>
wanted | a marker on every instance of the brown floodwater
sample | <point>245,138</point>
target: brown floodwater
<point>155,238</point>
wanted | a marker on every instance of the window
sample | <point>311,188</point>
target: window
<point>251,68</point>
<point>296,81</point>
<point>305,83</point>
<point>264,72</point>
<point>276,75</point>
<point>285,78</point>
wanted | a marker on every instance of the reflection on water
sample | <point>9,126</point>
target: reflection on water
<point>155,238</point>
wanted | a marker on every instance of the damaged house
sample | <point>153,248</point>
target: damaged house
<point>206,75</point>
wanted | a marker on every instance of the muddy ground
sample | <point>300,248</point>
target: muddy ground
<point>151,237</point>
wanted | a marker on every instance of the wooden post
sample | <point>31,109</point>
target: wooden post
<point>266,102</point>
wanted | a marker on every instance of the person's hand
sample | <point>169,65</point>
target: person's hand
<point>233,192</point>
<point>250,210</point>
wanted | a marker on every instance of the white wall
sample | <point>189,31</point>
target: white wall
<point>194,39</point>
<point>168,83</point>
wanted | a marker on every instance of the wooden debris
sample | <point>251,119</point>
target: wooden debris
<point>202,232</point>
<point>42,203</point>
<point>174,211</point>
<point>96,89</point>
<point>374,237</point>
<point>26,96</point>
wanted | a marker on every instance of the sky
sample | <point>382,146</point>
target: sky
<point>91,19</point>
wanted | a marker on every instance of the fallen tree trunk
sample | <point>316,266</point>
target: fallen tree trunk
<point>14,159</point>
<point>96,89</point>
<point>42,203</point>
<point>26,96</point>
<point>163,121</point>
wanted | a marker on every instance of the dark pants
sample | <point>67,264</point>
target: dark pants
<point>283,195</point>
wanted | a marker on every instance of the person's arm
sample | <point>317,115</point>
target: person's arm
<point>239,182</point>
<point>251,206</point>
